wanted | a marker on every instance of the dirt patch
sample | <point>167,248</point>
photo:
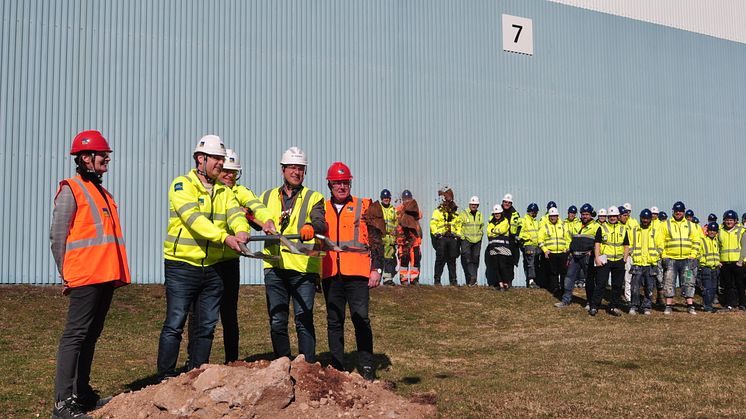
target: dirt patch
<point>277,389</point>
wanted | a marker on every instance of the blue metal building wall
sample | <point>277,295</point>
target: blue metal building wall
<point>412,94</point>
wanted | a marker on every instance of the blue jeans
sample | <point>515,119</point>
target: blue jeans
<point>188,285</point>
<point>642,276</point>
<point>578,265</point>
<point>681,268</point>
<point>280,285</point>
<point>709,278</point>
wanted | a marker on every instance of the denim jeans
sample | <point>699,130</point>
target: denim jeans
<point>280,285</point>
<point>578,265</point>
<point>709,279</point>
<point>188,285</point>
<point>642,276</point>
<point>681,268</point>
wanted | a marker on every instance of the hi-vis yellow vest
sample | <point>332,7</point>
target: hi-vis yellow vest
<point>730,244</point>
<point>612,240</point>
<point>300,214</point>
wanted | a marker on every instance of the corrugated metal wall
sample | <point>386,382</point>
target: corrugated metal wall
<point>412,94</point>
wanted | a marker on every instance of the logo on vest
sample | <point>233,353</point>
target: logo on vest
<point>178,186</point>
<point>106,212</point>
<point>201,200</point>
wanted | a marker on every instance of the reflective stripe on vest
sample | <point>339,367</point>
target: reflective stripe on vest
<point>711,256</point>
<point>346,229</point>
<point>678,246</point>
<point>636,245</point>
<point>730,244</point>
<point>100,238</point>
<point>613,249</point>
<point>301,218</point>
<point>556,242</point>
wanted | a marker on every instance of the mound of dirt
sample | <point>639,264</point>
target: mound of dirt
<point>278,389</point>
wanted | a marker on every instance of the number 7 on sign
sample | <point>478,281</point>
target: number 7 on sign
<point>518,34</point>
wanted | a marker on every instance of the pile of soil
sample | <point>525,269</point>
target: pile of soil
<point>278,389</point>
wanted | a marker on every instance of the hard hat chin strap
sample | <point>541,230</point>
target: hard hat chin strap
<point>202,172</point>
<point>86,173</point>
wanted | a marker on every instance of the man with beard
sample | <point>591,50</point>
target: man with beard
<point>581,254</point>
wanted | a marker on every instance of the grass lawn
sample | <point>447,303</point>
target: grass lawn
<point>486,354</point>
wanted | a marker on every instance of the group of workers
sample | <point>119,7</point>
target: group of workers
<point>345,245</point>
<point>311,244</point>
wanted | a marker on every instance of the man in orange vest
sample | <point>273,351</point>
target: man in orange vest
<point>88,248</point>
<point>348,275</point>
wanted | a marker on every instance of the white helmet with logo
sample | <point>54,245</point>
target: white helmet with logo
<point>474,200</point>
<point>497,209</point>
<point>654,210</point>
<point>508,197</point>
<point>553,211</point>
<point>627,206</point>
<point>602,212</point>
<point>613,211</point>
<point>294,155</point>
<point>231,160</point>
<point>210,144</point>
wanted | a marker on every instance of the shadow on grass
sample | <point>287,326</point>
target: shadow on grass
<point>352,360</point>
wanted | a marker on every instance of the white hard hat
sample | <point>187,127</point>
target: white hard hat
<point>231,160</point>
<point>497,209</point>
<point>474,200</point>
<point>602,212</point>
<point>294,155</point>
<point>210,144</point>
<point>553,211</point>
<point>613,211</point>
<point>508,197</point>
<point>654,210</point>
<point>627,206</point>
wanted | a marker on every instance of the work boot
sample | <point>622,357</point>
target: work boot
<point>68,409</point>
<point>532,284</point>
<point>633,311</point>
<point>647,312</point>
<point>388,282</point>
<point>593,311</point>
<point>369,373</point>
<point>91,400</point>
<point>668,310</point>
<point>691,310</point>
<point>615,312</point>
<point>561,304</point>
<point>436,282</point>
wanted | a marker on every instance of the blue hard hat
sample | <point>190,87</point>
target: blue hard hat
<point>646,213</point>
<point>695,220</point>
<point>551,204</point>
<point>689,213</point>
<point>713,226</point>
<point>730,214</point>
<point>678,206</point>
<point>744,216</point>
<point>385,194</point>
<point>622,210</point>
<point>532,207</point>
<point>586,208</point>
<point>712,217</point>
<point>406,193</point>
<point>573,209</point>
<point>662,216</point>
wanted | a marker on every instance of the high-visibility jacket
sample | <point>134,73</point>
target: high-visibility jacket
<point>655,223</point>
<point>347,228</point>
<point>571,225</point>
<point>389,239</point>
<point>529,231</point>
<point>94,249</point>
<point>198,221</point>
<point>515,223</point>
<point>472,226</point>
<point>645,245</point>
<point>612,241</point>
<point>709,253</point>
<point>582,237</point>
<point>554,238</point>
<point>679,238</point>
<point>247,199</point>
<point>300,214</point>
<point>443,223</point>
<point>730,243</point>
<point>545,220</point>
<point>499,229</point>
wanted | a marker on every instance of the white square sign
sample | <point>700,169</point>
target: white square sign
<point>518,34</point>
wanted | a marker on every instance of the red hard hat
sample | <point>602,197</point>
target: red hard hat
<point>89,141</point>
<point>338,171</point>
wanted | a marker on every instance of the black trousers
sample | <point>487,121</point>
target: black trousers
<point>86,314</point>
<point>339,291</point>
<point>733,281</point>
<point>615,269</point>
<point>446,253</point>
<point>555,269</point>
<point>470,260</point>
<point>498,268</point>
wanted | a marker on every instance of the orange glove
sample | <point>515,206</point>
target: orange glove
<point>306,232</point>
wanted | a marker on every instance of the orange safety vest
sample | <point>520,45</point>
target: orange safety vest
<point>94,250</point>
<point>347,229</point>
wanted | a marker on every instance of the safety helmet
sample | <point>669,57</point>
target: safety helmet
<point>613,211</point>
<point>532,207</point>
<point>627,206</point>
<point>586,208</point>
<point>654,210</point>
<point>474,200</point>
<point>678,206</point>
<point>508,197</point>
<point>646,213</point>
<point>551,204</point>
<point>497,209</point>
<point>713,226</point>
<point>211,145</point>
<point>730,214</point>
<point>621,209</point>
<point>695,220</point>
<point>553,211</point>
<point>689,213</point>
<point>90,140</point>
<point>294,155</point>
<point>385,194</point>
<point>406,194</point>
<point>231,160</point>
<point>573,209</point>
<point>602,212</point>
<point>712,217</point>
<point>338,171</point>
<point>663,216</point>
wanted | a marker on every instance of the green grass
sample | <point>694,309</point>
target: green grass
<point>486,354</point>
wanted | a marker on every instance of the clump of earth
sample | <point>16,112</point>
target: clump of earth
<point>277,389</point>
